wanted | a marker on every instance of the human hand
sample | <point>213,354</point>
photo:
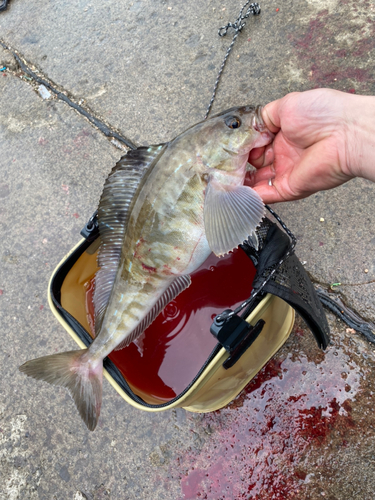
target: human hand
<point>323,138</point>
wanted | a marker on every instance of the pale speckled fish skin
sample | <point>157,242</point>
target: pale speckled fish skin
<point>190,201</point>
<point>165,236</point>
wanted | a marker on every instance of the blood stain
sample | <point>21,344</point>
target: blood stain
<point>260,442</point>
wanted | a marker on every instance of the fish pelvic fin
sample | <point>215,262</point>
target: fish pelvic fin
<point>75,371</point>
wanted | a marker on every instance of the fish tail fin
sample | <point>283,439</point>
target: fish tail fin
<point>75,371</point>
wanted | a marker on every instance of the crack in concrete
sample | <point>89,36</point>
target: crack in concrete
<point>58,92</point>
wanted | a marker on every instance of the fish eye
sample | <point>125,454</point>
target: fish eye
<point>233,122</point>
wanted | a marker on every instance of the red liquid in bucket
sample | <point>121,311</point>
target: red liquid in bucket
<point>164,360</point>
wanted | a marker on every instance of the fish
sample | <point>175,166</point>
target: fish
<point>163,210</point>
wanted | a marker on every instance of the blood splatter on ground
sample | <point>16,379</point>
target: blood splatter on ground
<point>288,434</point>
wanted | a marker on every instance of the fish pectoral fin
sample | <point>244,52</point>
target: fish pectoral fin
<point>231,216</point>
<point>175,288</point>
<point>113,215</point>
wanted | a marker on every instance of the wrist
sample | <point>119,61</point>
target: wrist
<point>359,137</point>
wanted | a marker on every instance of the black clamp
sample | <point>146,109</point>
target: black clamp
<point>3,4</point>
<point>236,335</point>
<point>91,230</point>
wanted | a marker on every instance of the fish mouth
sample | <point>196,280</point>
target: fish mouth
<point>263,137</point>
<point>257,122</point>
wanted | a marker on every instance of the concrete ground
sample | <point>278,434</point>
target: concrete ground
<point>304,427</point>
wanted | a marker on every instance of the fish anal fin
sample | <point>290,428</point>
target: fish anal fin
<point>175,288</point>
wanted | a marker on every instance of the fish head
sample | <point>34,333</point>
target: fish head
<point>232,211</point>
<point>228,137</point>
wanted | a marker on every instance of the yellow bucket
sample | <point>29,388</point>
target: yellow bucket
<point>213,386</point>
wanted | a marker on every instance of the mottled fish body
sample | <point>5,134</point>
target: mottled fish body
<point>162,211</point>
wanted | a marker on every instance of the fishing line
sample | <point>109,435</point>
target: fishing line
<point>252,10</point>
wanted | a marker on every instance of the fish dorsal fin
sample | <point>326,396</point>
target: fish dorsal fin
<point>113,214</point>
<point>175,288</point>
<point>231,215</point>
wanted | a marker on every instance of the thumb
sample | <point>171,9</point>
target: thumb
<point>271,115</point>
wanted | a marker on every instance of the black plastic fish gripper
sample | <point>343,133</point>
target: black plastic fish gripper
<point>235,334</point>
